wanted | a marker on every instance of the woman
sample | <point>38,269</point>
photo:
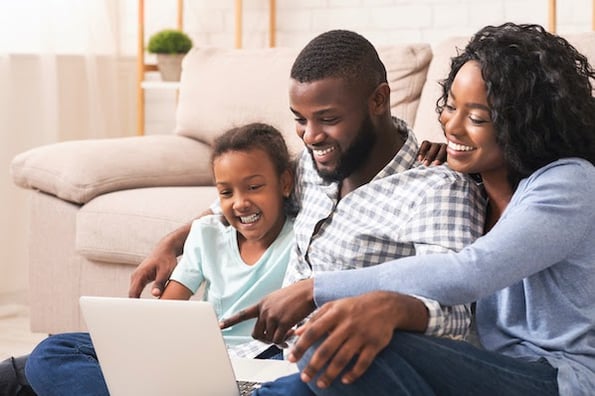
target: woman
<point>517,109</point>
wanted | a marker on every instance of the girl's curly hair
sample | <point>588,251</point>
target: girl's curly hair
<point>262,136</point>
<point>539,89</point>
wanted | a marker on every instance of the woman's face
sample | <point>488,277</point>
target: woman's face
<point>467,124</point>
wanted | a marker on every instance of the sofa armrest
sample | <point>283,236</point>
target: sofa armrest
<point>80,170</point>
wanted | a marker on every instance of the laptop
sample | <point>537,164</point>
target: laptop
<point>168,347</point>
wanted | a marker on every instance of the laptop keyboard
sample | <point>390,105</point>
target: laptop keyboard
<point>247,387</point>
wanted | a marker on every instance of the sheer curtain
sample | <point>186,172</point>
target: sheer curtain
<point>65,67</point>
<point>63,75</point>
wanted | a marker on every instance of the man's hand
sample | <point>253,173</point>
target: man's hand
<point>431,153</point>
<point>159,265</point>
<point>277,312</point>
<point>356,327</point>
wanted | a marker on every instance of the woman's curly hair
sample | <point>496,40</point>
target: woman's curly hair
<point>539,89</point>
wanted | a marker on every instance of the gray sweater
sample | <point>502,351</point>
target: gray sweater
<point>532,275</point>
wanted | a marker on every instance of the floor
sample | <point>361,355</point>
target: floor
<point>15,337</point>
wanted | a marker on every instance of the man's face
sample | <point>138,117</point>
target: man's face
<point>332,119</point>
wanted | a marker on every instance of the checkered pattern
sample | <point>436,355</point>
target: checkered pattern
<point>406,209</point>
<point>248,349</point>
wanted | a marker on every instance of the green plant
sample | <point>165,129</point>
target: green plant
<point>169,41</point>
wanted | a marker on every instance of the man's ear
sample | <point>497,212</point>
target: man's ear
<point>380,99</point>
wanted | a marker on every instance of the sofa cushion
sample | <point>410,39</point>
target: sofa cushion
<point>78,171</point>
<point>585,44</point>
<point>223,88</point>
<point>407,67</point>
<point>426,122</point>
<point>123,226</point>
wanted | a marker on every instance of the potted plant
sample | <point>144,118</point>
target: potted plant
<point>171,46</point>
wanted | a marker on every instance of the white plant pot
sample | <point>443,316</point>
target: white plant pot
<point>170,66</point>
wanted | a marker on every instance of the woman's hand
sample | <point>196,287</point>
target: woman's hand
<point>431,153</point>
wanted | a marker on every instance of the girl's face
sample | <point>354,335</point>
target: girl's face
<point>468,127</point>
<point>251,193</point>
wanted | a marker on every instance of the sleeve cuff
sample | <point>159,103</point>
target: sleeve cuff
<point>435,316</point>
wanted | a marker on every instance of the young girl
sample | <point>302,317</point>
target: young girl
<point>239,257</point>
<point>243,258</point>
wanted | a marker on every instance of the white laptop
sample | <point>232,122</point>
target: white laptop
<point>166,347</point>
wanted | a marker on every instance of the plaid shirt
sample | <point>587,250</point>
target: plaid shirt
<point>406,209</point>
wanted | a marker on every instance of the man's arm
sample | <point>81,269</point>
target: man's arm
<point>273,318</point>
<point>158,265</point>
<point>448,217</point>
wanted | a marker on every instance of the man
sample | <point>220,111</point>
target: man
<point>362,200</point>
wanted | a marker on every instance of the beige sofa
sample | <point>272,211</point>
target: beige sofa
<point>99,206</point>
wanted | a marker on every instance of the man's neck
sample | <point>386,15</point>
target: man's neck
<point>388,143</point>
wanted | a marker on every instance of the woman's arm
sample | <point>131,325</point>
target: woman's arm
<point>549,213</point>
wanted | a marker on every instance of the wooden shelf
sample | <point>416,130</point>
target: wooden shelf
<point>142,67</point>
<point>160,84</point>
<point>553,11</point>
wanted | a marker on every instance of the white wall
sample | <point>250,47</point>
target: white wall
<point>382,21</point>
<point>211,23</point>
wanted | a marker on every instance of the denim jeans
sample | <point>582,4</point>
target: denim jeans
<point>65,364</point>
<point>414,364</point>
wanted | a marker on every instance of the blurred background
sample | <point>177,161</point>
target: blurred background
<point>68,67</point>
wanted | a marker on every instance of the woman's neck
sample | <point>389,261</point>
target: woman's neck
<point>499,193</point>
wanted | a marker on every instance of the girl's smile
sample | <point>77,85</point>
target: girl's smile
<point>251,193</point>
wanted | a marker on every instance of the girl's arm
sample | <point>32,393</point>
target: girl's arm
<point>175,291</point>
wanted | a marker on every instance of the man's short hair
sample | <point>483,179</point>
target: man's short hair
<point>339,54</point>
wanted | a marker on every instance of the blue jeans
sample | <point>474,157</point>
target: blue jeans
<point>65,364</point>
<point>414,364</point>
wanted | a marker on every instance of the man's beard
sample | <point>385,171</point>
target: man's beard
<point>354,157</point>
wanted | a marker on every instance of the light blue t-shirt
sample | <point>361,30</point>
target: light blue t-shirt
<point>211,255</point>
